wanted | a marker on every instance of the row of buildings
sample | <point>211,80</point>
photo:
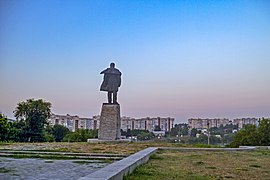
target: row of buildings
<point>151,124</point>
<point>208,123</point>
<point>75,122</point>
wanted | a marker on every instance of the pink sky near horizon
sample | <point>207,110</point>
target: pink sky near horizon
<point>182,59</point>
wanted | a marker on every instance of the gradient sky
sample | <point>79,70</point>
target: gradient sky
<point>180,59</point>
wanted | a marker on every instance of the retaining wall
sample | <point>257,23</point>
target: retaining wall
<point>117,170</point>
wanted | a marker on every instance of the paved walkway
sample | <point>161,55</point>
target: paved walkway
<point>33,169</point>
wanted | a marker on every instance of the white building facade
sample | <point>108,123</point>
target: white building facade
<point>74,122</point>
<point>241,122</point>
<point>165,124</point>
<point>207,123</point>
<point>202,124</point>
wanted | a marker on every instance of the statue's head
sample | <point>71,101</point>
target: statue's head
<point>112,65</point>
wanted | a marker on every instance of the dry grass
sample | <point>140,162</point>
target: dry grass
<point>205,165</point>
<point>113,148</point>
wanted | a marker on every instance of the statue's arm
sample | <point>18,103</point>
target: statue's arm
<point>102,72</point>
<point>119,81</point>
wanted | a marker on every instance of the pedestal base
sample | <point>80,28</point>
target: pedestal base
<point>110,122</point>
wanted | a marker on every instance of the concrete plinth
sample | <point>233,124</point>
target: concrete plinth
<point>110,122</point>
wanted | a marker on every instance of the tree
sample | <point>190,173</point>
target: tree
<point>264,132</point>
<point>4,128</point>
<point>35,114</point>
<point>179,129</point>
<point>247,136</point>
<point>145,135</point>
<point>59,132</point>
<point>193,132</point>
<point>228,138</point>
<point>250,135</point>
<point>16,131</point>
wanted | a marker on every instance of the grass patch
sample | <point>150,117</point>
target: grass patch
<point>211,167</point>
<point>5,170</point>
<point>199,163</point>
<point>206,146</point>
<point>204,165</point>
<point>90,162</point>
<point>49,161</point>
<point>255,165</point>
<point>155,156</point>
<point>241,169</point>
<point>21,156</point>
<point>85,162</point>
<point>194,156</point>
<point>4,143</point>
<point>54,157</point>
<point>97,149</point>
<point>115,148</point>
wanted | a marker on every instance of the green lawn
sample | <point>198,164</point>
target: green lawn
<point>205,165</point>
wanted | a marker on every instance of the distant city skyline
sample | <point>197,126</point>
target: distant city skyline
<point>181,59</point>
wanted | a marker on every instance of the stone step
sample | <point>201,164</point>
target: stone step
<point>58,157</point>
<point>64,153</point>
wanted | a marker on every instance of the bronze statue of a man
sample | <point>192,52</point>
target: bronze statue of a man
<point>111,82</point>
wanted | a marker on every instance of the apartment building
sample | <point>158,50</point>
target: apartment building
<point>207,123</point>
<point>74,122</point>
<point>203,123</point>
<point>165,124</point>
<point>241,122</point>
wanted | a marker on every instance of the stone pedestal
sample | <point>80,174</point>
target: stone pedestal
<point>110,122</point>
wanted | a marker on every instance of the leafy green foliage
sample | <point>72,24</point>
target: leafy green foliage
<point>250,135</point>
<point>145,136</point>
<point>223,130</point>
<point>59,132</point>
<point>264,132</point>
<point>34,113</point>
<point>4,128</point>
<point>179,129</point>
<point>49,137</point>
<point>17,131</point>
<point>141,134</point>
<point>81,135</point>
<point>193,132</point>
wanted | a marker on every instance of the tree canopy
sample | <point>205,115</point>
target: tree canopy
<point>59,132</point>
<point>34,113</point>
<point>251,135</point>
<point>4,128</point>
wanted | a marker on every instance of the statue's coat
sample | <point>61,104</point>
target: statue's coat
<point>111,80</point>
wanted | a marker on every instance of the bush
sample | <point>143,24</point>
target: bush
<point>59,132</point>
<point>81,135</point>
<point>49,137</point>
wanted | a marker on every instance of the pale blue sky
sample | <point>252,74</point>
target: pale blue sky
<point>178,58</point>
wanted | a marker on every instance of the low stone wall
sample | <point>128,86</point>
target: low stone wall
<point>257,147</point>
<point>117,170</point>
<point>241,148</point>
